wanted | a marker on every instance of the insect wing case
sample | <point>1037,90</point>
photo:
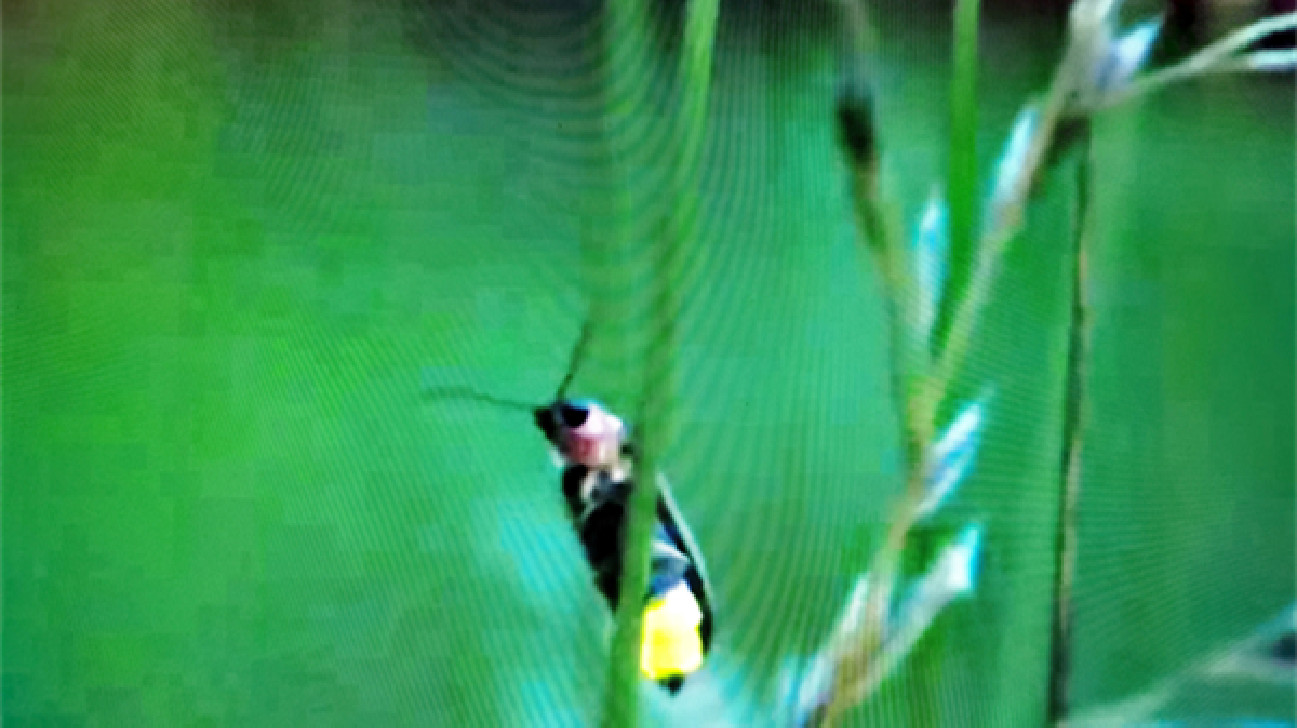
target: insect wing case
<point>679,597</point>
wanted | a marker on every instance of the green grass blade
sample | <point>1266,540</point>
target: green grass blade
<point>962,173</point>
<point>626,58</point>
<point>621,700</point>
<point>1074,406</point>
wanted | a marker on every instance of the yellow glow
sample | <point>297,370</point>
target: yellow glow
<point>671,644</point>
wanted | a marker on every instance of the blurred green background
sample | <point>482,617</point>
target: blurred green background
<point>239,237</point>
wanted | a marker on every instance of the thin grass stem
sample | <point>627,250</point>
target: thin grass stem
<point>880,234</point>
<point>1216,58</point>
<point>858,654</point>
<point>626,35</point>
<point>1074,410</point>
<point>859,669</point>
<point>1005,220</point>
<point>659,384</point>
<point>962,174</point>
<point>1234,661</point>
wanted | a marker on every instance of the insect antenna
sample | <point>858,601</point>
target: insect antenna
<point>459,391</point>
<point>468,393</point>
<point>578,353</point>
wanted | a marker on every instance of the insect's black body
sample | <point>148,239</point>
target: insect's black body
<point>598,476</point>
<point>601,528</point>
<point>597,502</point>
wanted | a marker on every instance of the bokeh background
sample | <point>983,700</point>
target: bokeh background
<point>240,236</point>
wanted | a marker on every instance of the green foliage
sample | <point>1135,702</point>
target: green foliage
<point>627,27</point>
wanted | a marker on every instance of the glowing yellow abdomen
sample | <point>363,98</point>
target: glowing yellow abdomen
<point>671,643</point>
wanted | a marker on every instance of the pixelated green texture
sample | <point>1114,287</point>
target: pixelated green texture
<point>239,237</point>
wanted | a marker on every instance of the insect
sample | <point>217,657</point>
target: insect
<point>594,450</point>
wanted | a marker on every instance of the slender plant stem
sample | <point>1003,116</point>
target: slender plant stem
<point>856,661</point>
<point>923,385</point>
<point>922,694</point>
<point>1074,409</point>
<point>1276,61</point>
<point>920,419</point>
<point>1141,707</point>
<point>880,234</point>
<point>1005,223</point>
<point>625,47</point>
<point>657,403</point>
<point>1217,57</point>
<point>925,395</point>
<point>876,216</point>
<point>962,160</point>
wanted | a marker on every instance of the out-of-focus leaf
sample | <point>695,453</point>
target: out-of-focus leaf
<point>1125,56</point>
<point>1266,656</point>
<point>931,250</point>
<point>953,574</point>
<point>1013,162</point>
<point>953,456</point>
